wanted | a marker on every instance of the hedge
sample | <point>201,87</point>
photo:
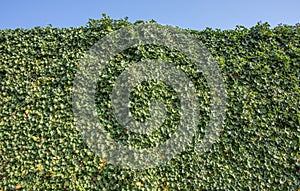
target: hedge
<point>258,148</point>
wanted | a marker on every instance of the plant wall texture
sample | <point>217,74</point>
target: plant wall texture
<point>258,148</point>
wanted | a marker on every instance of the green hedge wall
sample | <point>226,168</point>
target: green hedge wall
<point>259,147</point>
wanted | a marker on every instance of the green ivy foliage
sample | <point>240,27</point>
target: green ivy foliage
<point>259,148</point>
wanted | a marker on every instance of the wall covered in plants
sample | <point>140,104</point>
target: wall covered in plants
<point>258,149</point>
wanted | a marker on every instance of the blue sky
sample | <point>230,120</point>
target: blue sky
<point>192,14</point>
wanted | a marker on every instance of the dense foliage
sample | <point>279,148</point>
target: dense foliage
<point>259,148</point>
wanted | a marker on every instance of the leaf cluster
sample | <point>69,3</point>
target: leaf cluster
<point>258,149</point>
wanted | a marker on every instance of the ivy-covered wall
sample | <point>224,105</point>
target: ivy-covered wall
<point>258,149</point>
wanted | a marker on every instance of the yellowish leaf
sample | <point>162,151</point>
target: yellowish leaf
<point>35,138</point>
<point>39,167</point>
<point>18,186</point>
<point>102,163</point>
<point>138,183</point>
<point>166,188</point>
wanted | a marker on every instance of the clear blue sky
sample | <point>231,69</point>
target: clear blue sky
<point>192,14</point>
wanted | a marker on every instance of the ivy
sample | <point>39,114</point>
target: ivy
<point>41,149</point>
